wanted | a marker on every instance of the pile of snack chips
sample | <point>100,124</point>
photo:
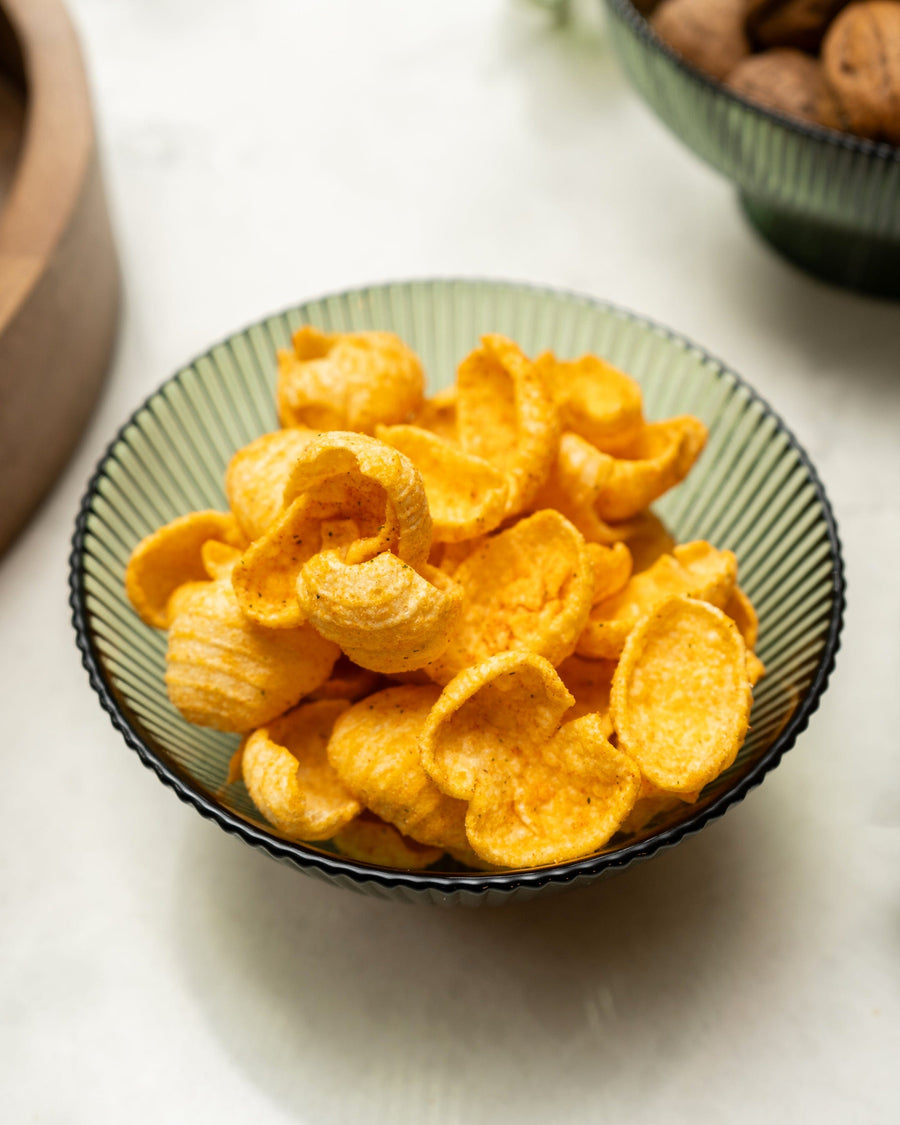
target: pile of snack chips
<point>451,625</point>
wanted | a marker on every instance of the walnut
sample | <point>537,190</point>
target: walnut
<point>789,81</point>
<point>708,33</point>
<point>861,56</point>
<point>791,23</point>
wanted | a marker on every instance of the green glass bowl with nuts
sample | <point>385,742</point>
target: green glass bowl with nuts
<point>827,201</point>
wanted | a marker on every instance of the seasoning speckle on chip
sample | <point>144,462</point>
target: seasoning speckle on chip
<point>452,629</point>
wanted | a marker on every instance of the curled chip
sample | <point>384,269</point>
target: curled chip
<point>286,770</point>
<point>742,612</point>
<point>438,414</point>
<point>696,569</point>
<point>612,569</point>
<point>374,749</point>
<point>538,792</point>
<point>368,839</point>
<point>256,476</point>
<point>595,400</point>
<point>506,415</point>
<point>529,588</point>
<point>680,695</point>
<point>224,671</point>
<point>466,496</point>
<point>386,616</point>
<point>172,556</point>
<point>344,490</point>
<point>348,382</point>
<point>657,459</point>
<point>577,475</point>
<point>590,682</point>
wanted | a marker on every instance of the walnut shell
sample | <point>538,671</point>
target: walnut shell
<point>791,23</point>
<point>789,81</point>
<point>861,57</point>
<point>707,33</point>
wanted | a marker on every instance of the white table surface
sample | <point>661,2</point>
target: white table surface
<point>152,969</point>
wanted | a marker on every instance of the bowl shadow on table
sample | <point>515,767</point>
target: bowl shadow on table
<point>314,991</point>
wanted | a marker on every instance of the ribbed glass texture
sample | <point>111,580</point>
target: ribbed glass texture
<point>752,491</point>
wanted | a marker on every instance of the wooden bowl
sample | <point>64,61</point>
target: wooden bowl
<point>59,280</point>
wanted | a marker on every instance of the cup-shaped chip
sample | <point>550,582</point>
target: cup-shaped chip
<point>528,588</point>
<point>438,414</point>
<point>345,490</point>
<point>344,468</point>
<point>256,476</point>
<point>374,749</point>
<point>612,569</point>
<point>385,615</point>
<point>680,696</point>
<point>595,399</point>
<point>349,381</point>
<point>227,672</point>
<point>172,556</point>
<point>578,473</point>
<point>507,416</point>
<point>467,496</point>
<point>567,803</point>
<point>590,682</point>
<point>514,699</point>
<point>658,458</point>
<point>289,778</point>
<point>368,839</point>
<point>538,792</point>
<point>696,569</point>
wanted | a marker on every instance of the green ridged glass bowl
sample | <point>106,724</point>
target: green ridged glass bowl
<point>753,491</point>
<point>827,201</point>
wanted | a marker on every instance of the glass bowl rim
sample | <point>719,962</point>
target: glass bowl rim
<point>332,866</point>
<point>849,142</point>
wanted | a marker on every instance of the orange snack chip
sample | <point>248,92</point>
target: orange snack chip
<point>256,476</point>
<point>506,415</point>
<point>386,616</point>
<point>347,490</point>
<point>172,556</point>
<point>467,496</point>
<point>658,458</point>
<point>612,569</point>
<point>225,671</point>
<point>538,792</point>
<point>369,839</point>
<point>529,587</point>
<point>348,381</point>
<point>696,569</point>
<point>289,778</point>
<point>374,749</point>
<point>219,559</point>
<point>680,696</point>
<point>596,400</point>
<point>347,681</point>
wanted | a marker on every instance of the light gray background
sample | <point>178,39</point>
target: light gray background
<point>153,969</point>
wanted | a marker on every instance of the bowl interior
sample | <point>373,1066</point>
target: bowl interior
<point>752,491</point>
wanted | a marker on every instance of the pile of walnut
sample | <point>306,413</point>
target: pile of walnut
<point>452,624</point>
<point>830,62</point>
